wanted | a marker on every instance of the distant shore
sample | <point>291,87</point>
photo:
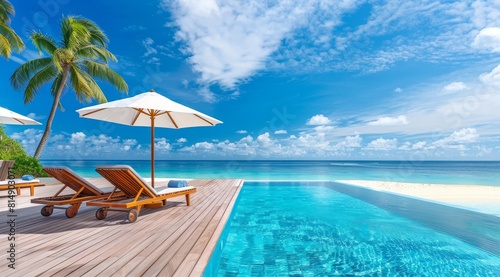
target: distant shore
<point>484,199</point>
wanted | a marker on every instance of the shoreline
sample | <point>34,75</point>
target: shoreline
<point>483,199</point>
<point>478,198</point>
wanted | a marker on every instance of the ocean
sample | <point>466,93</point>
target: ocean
<point>437,172</point>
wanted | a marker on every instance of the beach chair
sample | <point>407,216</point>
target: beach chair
<point>137,192</point>
<point>18,184</point>
<point>84,191</point>
<point>4,169</point>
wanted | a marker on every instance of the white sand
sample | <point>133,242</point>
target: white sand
<point>484,199</point>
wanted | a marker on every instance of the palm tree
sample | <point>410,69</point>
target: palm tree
<point>9,40</point>
<point>79,58</point>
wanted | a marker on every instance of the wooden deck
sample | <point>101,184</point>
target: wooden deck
<point>175,240</point>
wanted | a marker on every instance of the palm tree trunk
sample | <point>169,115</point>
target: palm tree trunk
<point>55,104</point>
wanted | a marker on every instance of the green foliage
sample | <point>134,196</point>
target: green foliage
<point>9,40</point>
<point>24,164</point>
<point>80,58</point>
<point>76,62</point>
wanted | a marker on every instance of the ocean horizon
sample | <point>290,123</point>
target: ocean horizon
<point>485,173</point>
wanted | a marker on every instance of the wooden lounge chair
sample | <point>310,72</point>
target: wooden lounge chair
<point>4,169</point>
<point>84,191</point>
<point>137,192</point>
<point>18,184</point>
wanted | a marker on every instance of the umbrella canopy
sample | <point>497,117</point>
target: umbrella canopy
<point>10,117</point>
<point>148,109</point>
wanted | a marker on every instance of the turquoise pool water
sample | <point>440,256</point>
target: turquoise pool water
<point>310,229</point>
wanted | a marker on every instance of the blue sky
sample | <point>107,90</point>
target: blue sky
<point>398,80</point>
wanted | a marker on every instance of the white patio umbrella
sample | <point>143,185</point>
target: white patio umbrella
<point>148,109</point>
<point>10,117</point>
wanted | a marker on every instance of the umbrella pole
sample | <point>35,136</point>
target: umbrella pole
<point>152,151</point>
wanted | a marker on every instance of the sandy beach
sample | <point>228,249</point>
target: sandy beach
<point>484,199</point>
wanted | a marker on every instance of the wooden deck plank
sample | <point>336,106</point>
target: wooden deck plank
<point>178,238</point>
<point>169,230</point>
<point>196,261</point>
<point>115,247</point>
<point>171,239</point>
<point>171,259</point>
<point>145,240</point>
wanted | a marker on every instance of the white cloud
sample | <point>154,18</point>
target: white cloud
<point>350,142</point>
<point>318,119</point>
<point>482,150</point>
<point>427,110</point>
<point>229,41</point>
<point>455,86</point>
<point>492,78</point>
<point>150,50</point>
<point>241,132</point>
<point>312,143</point>
<point>489,39</point>
<point>161,144</point>
<point>398,90</point>
<point>77,138</point>
<point>466,135</point>
<point>26,55</point>
<point>153,60</point>
<point>29,138</point>
<point>421,145</point>
<point>280,132</point>
<point>323,130</point>
<point>28,135</point>
<point>387,121</point>
<point>207,95</point>
<point>382,144</point>
<point>78,145</point>
<point>204,145</point>
<point>35,116</point>
<point>264,139</point>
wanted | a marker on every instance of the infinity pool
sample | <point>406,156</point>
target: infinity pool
<point>312,229</point>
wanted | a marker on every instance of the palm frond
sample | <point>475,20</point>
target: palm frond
<point>6,10</point>
<point>78,31</point>
<point>97,93</point>
<point>40,78</point>
<point>84,86</point>
<point>43,43</point>
<point>97,36</point>
<point>95,51</point>
<point>5,49</point>
<point>13,39</point>
<point>22,74</point>
<point>75,35</point>
<point>103,72</point>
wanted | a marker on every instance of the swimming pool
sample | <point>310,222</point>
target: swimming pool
<point>312,229</point>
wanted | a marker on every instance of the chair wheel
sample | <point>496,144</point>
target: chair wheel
<point>101,213</point>
<point>132,215</point>
<point>71,211</point>
<point>47,210</point>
